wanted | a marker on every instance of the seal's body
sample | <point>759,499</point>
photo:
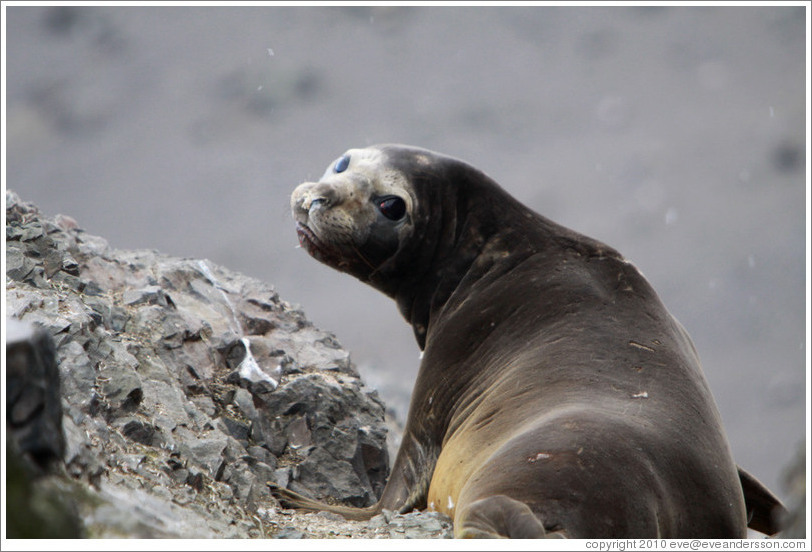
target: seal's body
<point>556,395</point>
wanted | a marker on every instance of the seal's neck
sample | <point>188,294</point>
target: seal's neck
<point>479,231</point>
<point>473,228</point>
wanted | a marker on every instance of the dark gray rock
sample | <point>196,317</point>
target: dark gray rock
<point>186,388</point>
<point>18,267</point>
<point>121,387</point>
<point>33,408</point>
<point>289,533</point>
<point>79,380</point>
<point>417,525</point>
<point>139,431</point>
<point>113,318</point>
<point>39,508</point>
<point>339,480</point>
<point>312,410</point>
<point>150,295</point>
<point>237,429</point>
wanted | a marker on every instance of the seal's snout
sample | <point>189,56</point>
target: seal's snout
<point>300,202</point>
<point>309,196</point>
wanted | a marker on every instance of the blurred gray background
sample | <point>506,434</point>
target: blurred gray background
<point>676,135</point>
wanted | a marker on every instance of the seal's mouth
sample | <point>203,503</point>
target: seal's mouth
<point>315,247</point>
<point>307,239</point>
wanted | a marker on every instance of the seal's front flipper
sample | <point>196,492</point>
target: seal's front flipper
<point>498,517</point>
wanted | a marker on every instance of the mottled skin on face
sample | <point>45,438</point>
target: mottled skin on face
<point>556,395</point>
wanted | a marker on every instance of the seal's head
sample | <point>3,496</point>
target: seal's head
<point>355,218</point>
<point>414,224</point>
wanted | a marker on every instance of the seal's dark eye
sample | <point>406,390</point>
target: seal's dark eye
<point>342,164</point>
<point>393,208</point>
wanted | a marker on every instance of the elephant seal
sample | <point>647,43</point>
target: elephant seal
<point>556,395</point>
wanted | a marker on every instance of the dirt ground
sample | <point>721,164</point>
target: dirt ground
<point>674,134</point>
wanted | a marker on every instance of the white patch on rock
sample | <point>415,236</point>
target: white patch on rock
<point>249,369</point>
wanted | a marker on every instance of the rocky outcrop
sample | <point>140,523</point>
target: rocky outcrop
<point>182,389</point>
